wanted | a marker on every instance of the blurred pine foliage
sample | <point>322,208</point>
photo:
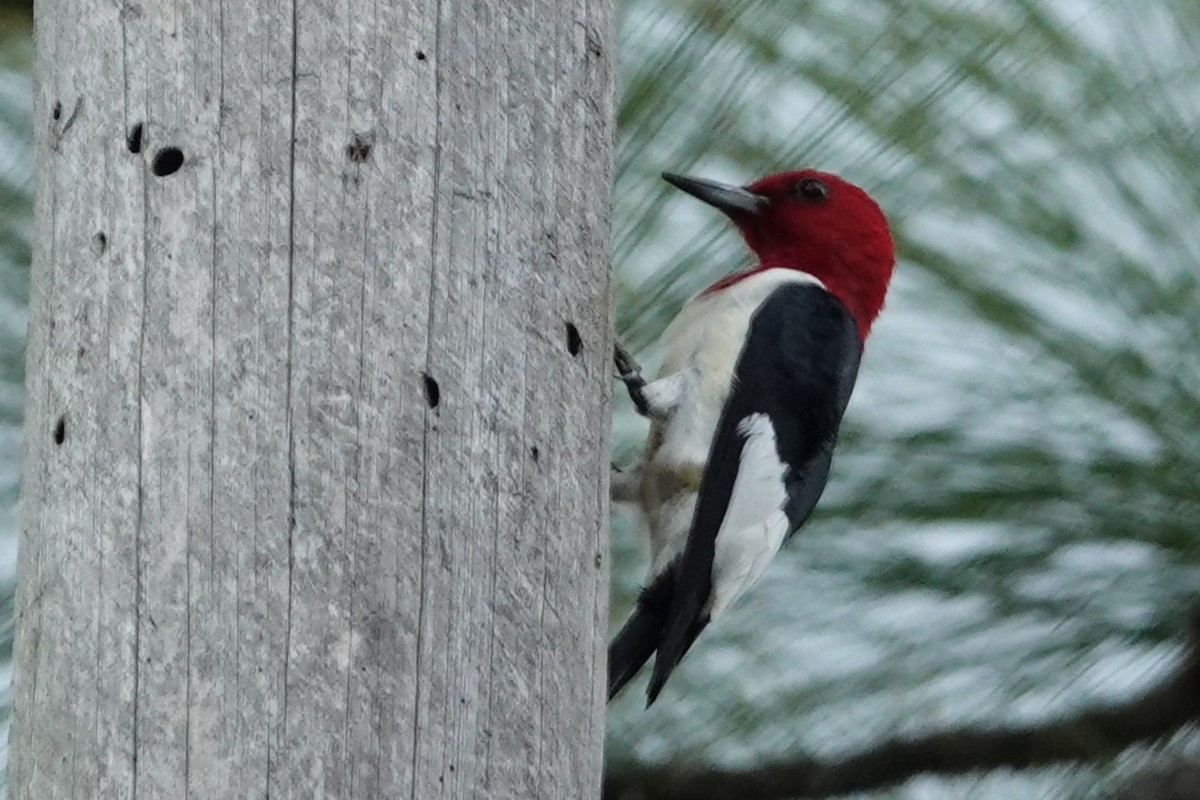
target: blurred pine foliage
<point>16,222</point>
<point>1011,526</point>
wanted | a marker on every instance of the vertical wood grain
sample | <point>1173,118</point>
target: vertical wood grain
<point>256,559</point>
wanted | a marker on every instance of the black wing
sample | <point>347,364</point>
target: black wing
<point>798,367</point>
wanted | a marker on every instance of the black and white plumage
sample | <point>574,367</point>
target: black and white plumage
<point>771,442</point>
<point>756,376</point>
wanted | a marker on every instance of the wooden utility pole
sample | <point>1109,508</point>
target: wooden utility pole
<point>315,490</point>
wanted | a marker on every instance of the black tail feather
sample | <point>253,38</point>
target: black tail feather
<point>686,615</point>
<point>632,647</point>
<point>665,664</point>
<point>639,637</point>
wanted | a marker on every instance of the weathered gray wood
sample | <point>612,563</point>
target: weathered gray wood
<point>259,563</point>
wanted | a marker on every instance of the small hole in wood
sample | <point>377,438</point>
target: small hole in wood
<point>56,112</point>
<point>574,340</point>
<point>167,161</point>
<point>433,394</point>
<point>535,453</point>
<point>421,55</point>
<point>60,430</point>
<point>134,140</point>
<point>359,149</point>
<point>99,243</point>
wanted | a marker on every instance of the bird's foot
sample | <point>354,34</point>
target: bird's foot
<point>624,487</point>
<point>630,373</point>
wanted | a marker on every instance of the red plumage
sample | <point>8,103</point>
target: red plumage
<point>843,241</point>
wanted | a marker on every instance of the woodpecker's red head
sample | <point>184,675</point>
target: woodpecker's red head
<point>811,221</point>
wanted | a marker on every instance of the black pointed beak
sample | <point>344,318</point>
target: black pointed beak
<point>733,200</point>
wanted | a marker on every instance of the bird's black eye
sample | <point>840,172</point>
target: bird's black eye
<point>813,190</point>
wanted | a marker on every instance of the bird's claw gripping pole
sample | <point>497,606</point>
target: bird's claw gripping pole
<point>630,373</point>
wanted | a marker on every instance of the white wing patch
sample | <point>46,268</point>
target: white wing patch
<point>755,524</point>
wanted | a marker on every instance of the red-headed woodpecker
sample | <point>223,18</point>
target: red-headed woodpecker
<point>756,375</point>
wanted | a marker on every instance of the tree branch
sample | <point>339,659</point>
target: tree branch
<point>1094,734</point>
